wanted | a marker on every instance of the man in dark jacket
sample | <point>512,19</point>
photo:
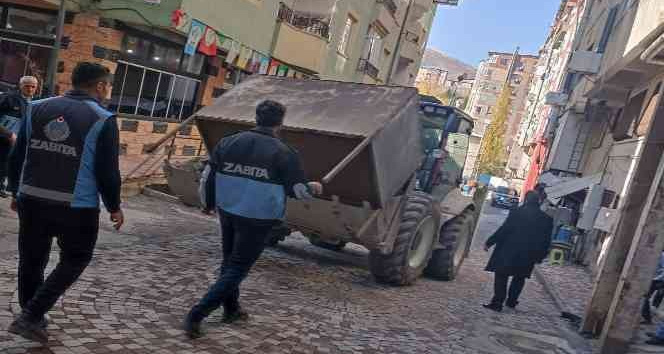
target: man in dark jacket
<point>13,108</point>
<point>66,155</point>
<point>523,240</point>
<point>250,176</point>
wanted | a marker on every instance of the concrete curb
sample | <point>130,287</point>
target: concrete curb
<point>551,290</point>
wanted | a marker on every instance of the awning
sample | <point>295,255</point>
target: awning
<point>560,187</point>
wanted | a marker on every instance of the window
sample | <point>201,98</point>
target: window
<point>32,22</point>
<point>624,123</point>
<point>20,58</point>
<point>504,61</point>
<point>374,46</point>
<point>478,110</point>
<point>493,59</point>
<point>346,35</point>
<point>154,93</point>
<point>161,56</point>
<point>608,28</point>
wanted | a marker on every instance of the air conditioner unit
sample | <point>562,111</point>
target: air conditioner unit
<point>586,62</point>
<point>555,99</point>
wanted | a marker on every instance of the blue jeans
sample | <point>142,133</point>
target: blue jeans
<point>243,241</point>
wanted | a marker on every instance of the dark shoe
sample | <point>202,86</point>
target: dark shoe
<point>192,328</point>
<point>43,323</point>
<point>494,307</point>
<point>646,322</point>
<point>650,334</point>
<point>511,304</point>
<point>239,315</point>
<point>655,341</point>
<point>28,330</point>
<point>4,194</point>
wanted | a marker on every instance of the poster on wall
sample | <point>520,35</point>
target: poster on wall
<point>233,52</point>
<point>195,36</point>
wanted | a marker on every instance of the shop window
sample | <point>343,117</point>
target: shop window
<point>193,64</point>
<point>38,23</point>
<point>19,59</point>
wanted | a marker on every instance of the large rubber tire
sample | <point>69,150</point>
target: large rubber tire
<point>455,238</point>
<point>412,247</point>
<point>337,247</point>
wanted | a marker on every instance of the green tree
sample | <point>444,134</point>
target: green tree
<point>493,157</point>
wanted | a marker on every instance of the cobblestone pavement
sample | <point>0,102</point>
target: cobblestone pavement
<point>572,285</point>
<point>302,299</point>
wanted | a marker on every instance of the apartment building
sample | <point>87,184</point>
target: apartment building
<point>546,94</point>
<point>499,68</point>
<point>606,142</point>
<point>171,57</point>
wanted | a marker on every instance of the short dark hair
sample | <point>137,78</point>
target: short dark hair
<point>532,198</point>
<point>87,74</point>
<point>270,114</point>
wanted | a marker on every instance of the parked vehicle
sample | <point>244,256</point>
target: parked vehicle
<point>390,164</point>
<point>503,197</point>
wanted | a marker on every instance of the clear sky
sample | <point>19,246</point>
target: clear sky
<point>475,27</point>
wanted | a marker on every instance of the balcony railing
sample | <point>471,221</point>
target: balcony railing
<point>308,22</point>
<point>366,67</point>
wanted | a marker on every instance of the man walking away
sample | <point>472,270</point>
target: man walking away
<point>13,108</point>
<point>656,285</point>
<point>523,240</point>
<point>66,155</point>
<point>250,175</point>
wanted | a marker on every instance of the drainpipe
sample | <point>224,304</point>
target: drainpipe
<point>397,47</point>
<point>53,61</point>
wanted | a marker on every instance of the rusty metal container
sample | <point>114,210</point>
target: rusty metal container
<point>362,141</point>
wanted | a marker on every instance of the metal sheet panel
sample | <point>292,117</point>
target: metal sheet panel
<point>397,151</point>
<point>330,106</point>
<point>555,192</point>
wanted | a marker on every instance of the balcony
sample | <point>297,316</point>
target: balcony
<point>366,67</point>
<point>301,39</point>
<point>315,24</point>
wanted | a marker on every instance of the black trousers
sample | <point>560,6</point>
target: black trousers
<point>4,163</point>
<point>500,289</point>
<point>655,287</point>
<point>76,233</point>
<point>243,241</point>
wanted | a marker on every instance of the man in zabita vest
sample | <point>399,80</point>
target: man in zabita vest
<point>66,156</point>
<point>247,181</point>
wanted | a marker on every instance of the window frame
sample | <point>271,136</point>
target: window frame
<point>174,76</point>
<point>345,40</point>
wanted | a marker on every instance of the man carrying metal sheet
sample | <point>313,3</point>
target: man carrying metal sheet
<point>248,179</point>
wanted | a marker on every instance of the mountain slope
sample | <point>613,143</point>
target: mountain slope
<point>434,57</point>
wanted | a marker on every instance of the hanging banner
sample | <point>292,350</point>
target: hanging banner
<point>243,59</point>
<point>208,45</point>
<point>264,65</point>
<point>255,62</point>
<point>233,52</point>
<point>283,69</point>
<point>274,66</point>
<point>291,73</point>
<point>195,36</point>
<point>221,39</point>
<point>179,20</point>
